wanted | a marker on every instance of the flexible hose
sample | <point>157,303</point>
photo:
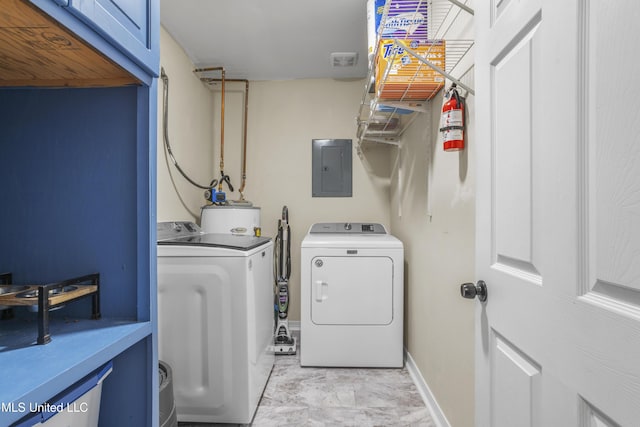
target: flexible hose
<point>282,248</point>
<point>288,259</point>
<point>225,178</point>
<point>165,133</point>
<point>285,218</point>
<point>277,253</point>
<point>282,254</point>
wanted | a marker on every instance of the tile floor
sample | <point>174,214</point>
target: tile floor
<point>297,396</point>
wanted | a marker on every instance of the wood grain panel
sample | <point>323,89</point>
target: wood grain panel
<point>14,300</point>
<point>37,51</point>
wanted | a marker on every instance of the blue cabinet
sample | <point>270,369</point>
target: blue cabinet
<point>130,24</point>
<point>78,190</point>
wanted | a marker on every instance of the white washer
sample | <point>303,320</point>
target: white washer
<point>215,320</point>
<point>352,293</point>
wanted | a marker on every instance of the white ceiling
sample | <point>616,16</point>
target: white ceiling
<point>270,40</point>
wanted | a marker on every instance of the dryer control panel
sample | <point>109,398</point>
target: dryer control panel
<point>347,228</point>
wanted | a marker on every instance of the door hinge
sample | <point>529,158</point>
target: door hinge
<point>63,3</point>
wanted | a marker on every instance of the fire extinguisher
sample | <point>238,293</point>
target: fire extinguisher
<point>452,121</point>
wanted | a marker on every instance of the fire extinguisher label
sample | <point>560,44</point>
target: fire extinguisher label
<point>451,118</point>
<point>452,135</point>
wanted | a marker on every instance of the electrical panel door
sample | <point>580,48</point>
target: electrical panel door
<point>331,168</point>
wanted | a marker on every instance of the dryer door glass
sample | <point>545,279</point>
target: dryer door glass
<point>352,290</point>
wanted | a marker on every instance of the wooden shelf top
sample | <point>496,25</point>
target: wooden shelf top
<point>37,51</point>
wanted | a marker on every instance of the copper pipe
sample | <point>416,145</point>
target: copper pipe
<point>244,143</point>
<point>244,137</point>
<point>221,69</point>
<point>211,79</point>
<point>221,134</point>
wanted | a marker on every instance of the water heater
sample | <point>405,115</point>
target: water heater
<point>230,219</point>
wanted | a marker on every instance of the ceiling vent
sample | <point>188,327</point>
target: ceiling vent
<point>344,59</point>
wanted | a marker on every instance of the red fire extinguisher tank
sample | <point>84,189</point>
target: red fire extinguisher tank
<point>452,121</point>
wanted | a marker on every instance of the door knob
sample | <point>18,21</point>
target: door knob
<point>471,290</point>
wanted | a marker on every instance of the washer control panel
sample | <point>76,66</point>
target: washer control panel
<point>174,229</point>
<point>348,228</point>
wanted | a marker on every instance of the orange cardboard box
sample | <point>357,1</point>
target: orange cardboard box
<point>406,76</point>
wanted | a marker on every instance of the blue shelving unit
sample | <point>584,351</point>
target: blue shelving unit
<point>77,189</point>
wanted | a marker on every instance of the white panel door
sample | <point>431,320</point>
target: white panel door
<point>558,213</point>
<point>352,290</point>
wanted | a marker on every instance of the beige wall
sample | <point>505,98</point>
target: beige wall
<point>433,212</point>
<point>284,117</point>
<point>190,135</point>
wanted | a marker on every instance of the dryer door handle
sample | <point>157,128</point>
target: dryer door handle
<point>322,289</point>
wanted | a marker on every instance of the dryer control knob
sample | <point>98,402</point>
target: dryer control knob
<point>347,226</point>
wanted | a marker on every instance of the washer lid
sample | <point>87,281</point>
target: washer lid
<point>216,240</point>
<point>347,228</point>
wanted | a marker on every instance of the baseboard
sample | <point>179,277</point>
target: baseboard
<point>425,392</point>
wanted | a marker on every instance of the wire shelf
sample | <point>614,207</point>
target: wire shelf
<point>387,108</point>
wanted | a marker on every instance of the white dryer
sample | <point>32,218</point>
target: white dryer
<point>215,320</point>
<point>352,296</point>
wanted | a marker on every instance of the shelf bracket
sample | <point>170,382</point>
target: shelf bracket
<point>381,140</point>
<point>462,6</point>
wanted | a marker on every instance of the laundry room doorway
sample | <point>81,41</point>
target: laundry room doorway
<point>558,236</point>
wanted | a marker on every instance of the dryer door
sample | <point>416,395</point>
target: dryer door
<point>352,290</point>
